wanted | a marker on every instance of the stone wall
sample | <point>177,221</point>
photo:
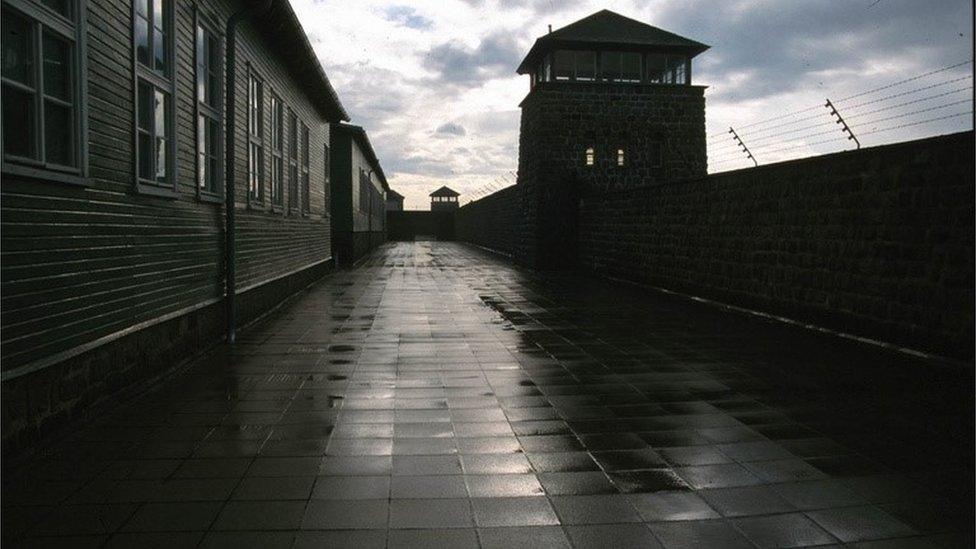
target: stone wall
<point>876,242</point>
<point>407,225</point>
<point>660,128</point>
<point>495,222</point>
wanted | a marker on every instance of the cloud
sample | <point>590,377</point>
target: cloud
<point>803,40</point>
<point>405,70</point>
<point>421,165</point>
<point>407,17</point>
<point>449,129</point>
<point>455,63</point>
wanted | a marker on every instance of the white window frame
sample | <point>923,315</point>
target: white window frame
<point>75,31</point>
<point>164,84</point>
<point>304,158</point>
<point>277,151</point>
<point>255,139</point>
<point>327,188</point>
<point>294,203</point>
<point>213,112</point>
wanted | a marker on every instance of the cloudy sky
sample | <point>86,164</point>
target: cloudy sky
<point>434,83</point>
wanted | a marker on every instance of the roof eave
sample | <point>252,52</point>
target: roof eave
<point>358,133</point>
<point>319,89</point>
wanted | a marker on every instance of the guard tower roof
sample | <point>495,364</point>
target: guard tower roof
<point>445,191</point>
<point>607,29</point>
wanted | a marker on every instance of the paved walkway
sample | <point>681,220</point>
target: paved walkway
<point>438,397</point>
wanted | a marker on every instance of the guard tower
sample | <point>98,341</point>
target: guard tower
<point>444,199</point>
<point>611,105</point>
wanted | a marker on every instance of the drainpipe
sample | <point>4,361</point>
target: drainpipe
<point>252,7</point>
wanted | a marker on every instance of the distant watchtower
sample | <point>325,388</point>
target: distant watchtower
<point>611,105</point>
<point>444,199</point>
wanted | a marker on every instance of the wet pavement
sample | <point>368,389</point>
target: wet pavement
<point>437,396</point>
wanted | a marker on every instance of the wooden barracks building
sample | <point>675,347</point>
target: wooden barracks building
<point>164,180</point>
<point>358,199</point>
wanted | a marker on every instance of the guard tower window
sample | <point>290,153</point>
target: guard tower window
<point>564,65</point>
<point>620,157</point>
<point>610,65</point>
<point>630,67</point>
<point>590,156</point>
<point>586,66</point>
<point>675,72</point>
<point>657,66</point>
<point>679,73</point>
<point>621,66</point>
<point>575,65</point>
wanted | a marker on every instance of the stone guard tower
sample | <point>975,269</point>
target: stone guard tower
<point>611,106</point>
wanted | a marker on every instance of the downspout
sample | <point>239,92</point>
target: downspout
<point>230,145</point>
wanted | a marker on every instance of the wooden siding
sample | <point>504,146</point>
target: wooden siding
<point>348,160</point>
<point>83,263</point>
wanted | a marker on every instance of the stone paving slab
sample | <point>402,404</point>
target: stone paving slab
<point>437,396</point>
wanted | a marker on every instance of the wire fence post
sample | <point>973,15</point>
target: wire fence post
<point>745,149</point>
<point>840,120</point>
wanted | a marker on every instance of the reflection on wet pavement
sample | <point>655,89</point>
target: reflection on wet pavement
<point>438,396</point>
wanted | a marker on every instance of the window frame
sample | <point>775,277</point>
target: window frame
<point>255,141</point>
<point>364,185</point>
<point>327,179</point>
<point>292,164</point>
<point>42,18</point>
<point>167,85</point>
<point>589,157</point>
<point>659,76</point>
<point>277,151</point>
<point>304,185</point>
<point>633,56</point>
<point>568,57</point>
<point>577,62</point>
<point>201,109</point>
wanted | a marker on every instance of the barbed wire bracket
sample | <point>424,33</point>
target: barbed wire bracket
<point>840,120</point>
<point>745,149</point>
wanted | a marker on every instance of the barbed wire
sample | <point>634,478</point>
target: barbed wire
<point>794,130</point>
<point>805,144</point>
<point>856,95</point>
<point>790,123</point>
<point>912,113</point>
<point>909,92</point>
<point>912,102</point>
<point>919,122</point>
<point>780,117</point>
<point>766,136</point>
<point>840,138</point>
<point>905,81</point>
